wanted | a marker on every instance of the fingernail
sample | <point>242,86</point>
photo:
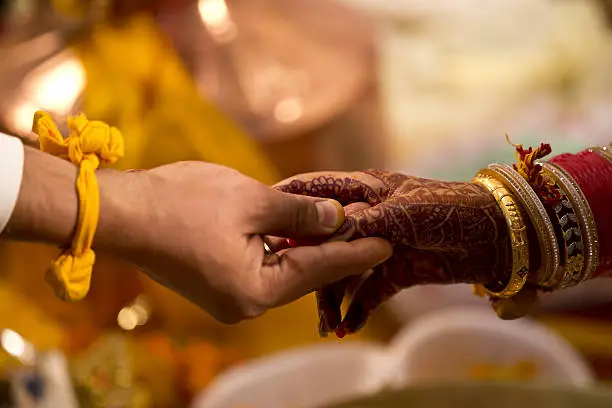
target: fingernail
<point>330,213</point>
<point>340,332</point>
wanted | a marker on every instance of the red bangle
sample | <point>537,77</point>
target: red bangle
<point>593,174</point>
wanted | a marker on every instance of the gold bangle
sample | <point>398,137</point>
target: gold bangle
<point>584,215</point>
<point>571,232</point>
<point>517,230</point>
<point>551,258</point>
<point>603,151</point>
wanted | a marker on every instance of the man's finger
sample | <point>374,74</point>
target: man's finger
<point>278,244</point>
<point>299,271</point>
<point>295,216</point>
<point>343,234</point>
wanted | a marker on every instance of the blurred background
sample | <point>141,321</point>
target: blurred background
<point>273,88</point>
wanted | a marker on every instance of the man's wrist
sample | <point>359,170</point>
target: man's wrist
<point>47,205</point>
<point>123,213</point>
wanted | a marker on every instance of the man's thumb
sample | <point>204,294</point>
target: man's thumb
<point>295,216</point>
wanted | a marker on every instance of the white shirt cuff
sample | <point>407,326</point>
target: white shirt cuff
<point>11,173</point>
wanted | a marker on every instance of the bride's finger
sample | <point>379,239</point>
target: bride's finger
<point>329,303</point>
<point>384,282</point>
<point>391,220</point>
<point>355,282</point>
<point>346,187</point>
<point>330,297</point>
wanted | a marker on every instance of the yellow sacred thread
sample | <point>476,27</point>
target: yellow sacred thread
<point>89,143</point>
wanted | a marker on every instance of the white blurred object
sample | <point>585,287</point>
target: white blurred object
<point>43,379</point>
<point>303,378</point>
<point>446,346</point>
<point>47,385</point>
<point>443,346</point>
<point>60,390</point>
<point>587,294</point>
<point>422,300</point>
<point>414,302</point>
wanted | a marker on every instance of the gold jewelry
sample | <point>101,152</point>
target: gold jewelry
<point>584,215</point>
<point>530,201</point>
<point>603,151</point>
<point>267,249</point>
<point>573,262</point>
<point>517,231</point>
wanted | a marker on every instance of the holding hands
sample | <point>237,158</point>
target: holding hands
<point>236,247</point>
<point>442,233</point>
<point>197,229</point>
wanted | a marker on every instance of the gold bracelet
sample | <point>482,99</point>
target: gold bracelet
<point>517,230</point>
<point>584,215</point>
<point>603,151</point>
<point>550,258</point>
<point>573,245</point>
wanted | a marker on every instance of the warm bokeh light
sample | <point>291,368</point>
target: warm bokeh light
<point>16,346</point>
<point>57,87</point>
<point>54,87</point>
<point>21,117</point>
<point>216,17</point>
<point>288,110</point>
<point>134,315</point>
<point>13,343</point>
<point>127,319</point>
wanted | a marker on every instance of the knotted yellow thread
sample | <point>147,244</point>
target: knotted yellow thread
<point>89,143</point>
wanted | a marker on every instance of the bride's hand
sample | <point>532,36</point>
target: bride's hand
<point>443,232</point>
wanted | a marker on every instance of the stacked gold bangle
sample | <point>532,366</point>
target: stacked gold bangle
<point>564,225</point>
<point>603,151</point>
<point>549,249</point>
<point>587,228</point>
<point>517,230</point>
<point>572,245</point>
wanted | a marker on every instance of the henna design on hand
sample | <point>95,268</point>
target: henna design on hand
<point>443,232</point>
